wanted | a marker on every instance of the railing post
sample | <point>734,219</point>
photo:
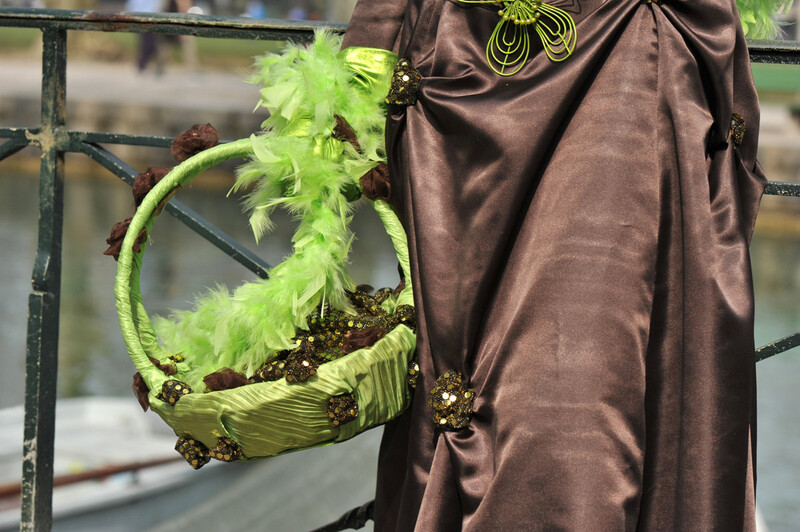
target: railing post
<point>43,308</point>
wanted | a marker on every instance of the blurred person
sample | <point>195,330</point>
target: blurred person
<point>256,9</point>
<point>148,42</point>
<point>298,12</point>
<point>187,44</point>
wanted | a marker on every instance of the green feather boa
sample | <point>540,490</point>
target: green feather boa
<point>756,17</point>
<point>297,165</point>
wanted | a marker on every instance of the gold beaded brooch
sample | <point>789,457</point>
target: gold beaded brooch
<point>510,44</point>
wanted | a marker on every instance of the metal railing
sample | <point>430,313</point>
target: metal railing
<point>54,140</point>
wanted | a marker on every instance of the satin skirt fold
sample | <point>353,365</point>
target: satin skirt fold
<point>579,243</point>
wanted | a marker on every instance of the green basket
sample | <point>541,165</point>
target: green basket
<point>267,418</point>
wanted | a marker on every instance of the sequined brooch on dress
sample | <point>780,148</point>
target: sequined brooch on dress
<point>451,401</point>
<point>738,128</point>
<point>405,84</point>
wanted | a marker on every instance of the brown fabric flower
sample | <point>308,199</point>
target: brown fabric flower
<point>359,338</point>
<point>400,287</point>
<point>366,288</point>
<point>168,368</point>
<point>224,379</point>
<point>191,142</point>
<point>345,132</point>
<point>146,180</point>
<point>375,183</point>
<point>140,390</point>
<point>118,235</point>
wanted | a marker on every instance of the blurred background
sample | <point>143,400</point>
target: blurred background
<point>332,10</point>
<point>118,83</point>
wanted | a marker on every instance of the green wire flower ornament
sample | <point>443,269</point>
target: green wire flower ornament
<point>510,44</point>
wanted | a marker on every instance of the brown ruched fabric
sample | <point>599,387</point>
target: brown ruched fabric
<point>579,249</point>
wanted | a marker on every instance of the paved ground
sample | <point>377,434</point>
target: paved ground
<point>117,98</point>
<point>115,83</point>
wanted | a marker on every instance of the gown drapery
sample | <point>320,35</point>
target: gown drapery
<point>579,240</point>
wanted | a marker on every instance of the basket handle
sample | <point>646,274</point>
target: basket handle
<point>135,325</point>
<point>137,330</point>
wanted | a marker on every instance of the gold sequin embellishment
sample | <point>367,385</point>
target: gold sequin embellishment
<point>172,390</point>
<point>451,401</point>
<point>193,451</point>
<point>333,334</point>
<point>342,409</point>
<point>413,374</point>
<point>738,128</point>
<point>226,450</point>
<point>405,84</point>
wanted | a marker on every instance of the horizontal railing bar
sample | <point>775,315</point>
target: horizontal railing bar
<point>228,245</point>
<point>777,347</point>
<point>153,141</point>
<point>185,214</point>
<point>10,147</point>
<point>777,52</point>
<point>168,23</point>
<point>780,188</point>
<point>17,132</point>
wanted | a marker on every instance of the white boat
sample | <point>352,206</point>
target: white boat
<point>114,461</point>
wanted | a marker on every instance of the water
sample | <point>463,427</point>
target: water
<point>776,262</point>
<point>93,360</point>
<point>179,265</point>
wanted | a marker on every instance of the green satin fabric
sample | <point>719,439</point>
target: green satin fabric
<point>269,418</point>
<point>372,65</point>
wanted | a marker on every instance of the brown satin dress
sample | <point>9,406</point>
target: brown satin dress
<point>579,249</point>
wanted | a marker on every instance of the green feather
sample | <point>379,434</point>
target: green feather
<point>299,167</point>
<point>757,17</point>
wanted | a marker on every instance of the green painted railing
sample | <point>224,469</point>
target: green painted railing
<point>54,140</point>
